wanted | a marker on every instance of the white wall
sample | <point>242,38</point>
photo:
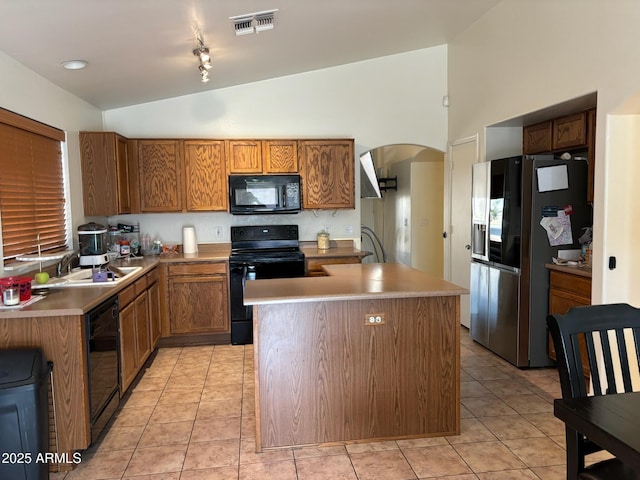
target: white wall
<point>26,93</point>
<point>427,219</point>
<point>394,99</point>
<point>525,55</point>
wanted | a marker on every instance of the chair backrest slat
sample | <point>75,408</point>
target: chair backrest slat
<point>624,362</point>
<point>593,365</point>
<point>608,355</point>
<point>608,362</point>
<point>636,343</point>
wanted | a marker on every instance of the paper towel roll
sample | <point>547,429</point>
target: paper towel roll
<point>189,243</point>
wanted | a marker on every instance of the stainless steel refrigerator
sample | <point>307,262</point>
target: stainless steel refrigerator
<point>509,248</point>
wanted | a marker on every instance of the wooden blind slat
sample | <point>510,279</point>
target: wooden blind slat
<point>32,198</point>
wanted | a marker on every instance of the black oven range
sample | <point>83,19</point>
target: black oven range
<point>258,252</point>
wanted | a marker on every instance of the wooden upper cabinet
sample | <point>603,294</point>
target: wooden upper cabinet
<point>537,138</point>
<point>206,175</point>
<point>244,156</point>
<point>105,173</point>
<point>159,175</point>
<point>262,156</point>
<point>280,156</point>
<point>570,131</point>
<point>327,170</point>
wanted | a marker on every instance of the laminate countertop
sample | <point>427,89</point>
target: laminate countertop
<point>339,248</point>
<point>351,282</point>
<point>582,271</point>
<point>79,300</point>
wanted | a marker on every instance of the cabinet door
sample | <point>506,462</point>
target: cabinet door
<point>128,345</point>
<point>160,175</point>
<point>280,156</point>
<point>244,156</point>
<point>198,304</point>
<point>122,169</point>
<point>537,138</point>
<point>206,175</point>
<point>570,131</point>
<point>143,336</point>
<point>560,302</point>
<point>153,297</point>
<point>327,173</point>
<point>105,174</point>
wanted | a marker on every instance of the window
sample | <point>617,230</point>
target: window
<point>32,198</point>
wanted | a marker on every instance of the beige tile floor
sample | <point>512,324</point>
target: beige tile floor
<point>191,417</point>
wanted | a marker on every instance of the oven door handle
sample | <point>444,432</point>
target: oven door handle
<point>245,274</point>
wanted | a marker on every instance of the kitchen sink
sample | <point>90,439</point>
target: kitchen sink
<point>83,277</point>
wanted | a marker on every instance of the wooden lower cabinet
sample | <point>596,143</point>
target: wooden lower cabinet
<point>139,312</point>
<point>567,290</point>
<point>313,265</point>
<point>153,296</point>
<point>197,299</point>
<point>128,343</point>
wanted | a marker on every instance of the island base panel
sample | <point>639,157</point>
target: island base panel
<point>324,374</point>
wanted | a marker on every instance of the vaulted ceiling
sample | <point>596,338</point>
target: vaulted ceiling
<point>141,50</point>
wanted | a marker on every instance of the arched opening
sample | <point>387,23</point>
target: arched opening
<point>407,221</point>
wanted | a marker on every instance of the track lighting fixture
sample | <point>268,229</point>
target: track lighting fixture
<point>253,22</point>
<point>202,52</point>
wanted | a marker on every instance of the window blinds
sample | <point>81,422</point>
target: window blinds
<point>31,186</point>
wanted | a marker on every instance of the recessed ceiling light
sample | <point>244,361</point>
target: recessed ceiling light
<point>74,64</point>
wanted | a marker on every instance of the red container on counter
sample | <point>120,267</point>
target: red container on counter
<point>23,283</point>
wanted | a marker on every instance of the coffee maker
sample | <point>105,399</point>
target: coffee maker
<point>92,238</point>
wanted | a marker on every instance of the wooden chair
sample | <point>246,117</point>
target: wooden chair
<point>577,335</point>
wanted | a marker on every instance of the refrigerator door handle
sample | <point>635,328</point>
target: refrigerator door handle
<point>505,268</point>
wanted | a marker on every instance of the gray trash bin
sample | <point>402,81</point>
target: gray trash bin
<point>24,415</point>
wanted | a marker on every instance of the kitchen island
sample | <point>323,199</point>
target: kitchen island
<point>369,352</point>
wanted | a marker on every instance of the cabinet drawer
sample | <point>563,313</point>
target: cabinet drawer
<point>126,295</point>
<point>140,285</point>
<point>197,268</point>
<point>152,277</point>
<point>571,283</point>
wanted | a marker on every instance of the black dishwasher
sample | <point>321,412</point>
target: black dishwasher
<point>103,363</point>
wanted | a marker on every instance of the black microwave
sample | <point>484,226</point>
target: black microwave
<point>252,194</point>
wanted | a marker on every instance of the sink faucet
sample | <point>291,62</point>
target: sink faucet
<point>66,262</point>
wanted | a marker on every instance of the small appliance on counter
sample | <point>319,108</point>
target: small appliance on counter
<point>92,238</point>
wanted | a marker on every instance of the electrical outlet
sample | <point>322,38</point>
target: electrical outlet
<point>348,229</point>
<point>217,232</point>
<point>373,319</point>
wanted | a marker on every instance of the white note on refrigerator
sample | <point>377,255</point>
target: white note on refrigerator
<point>552,178</point>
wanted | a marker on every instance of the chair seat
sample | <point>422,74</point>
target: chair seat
<point>612,469</point>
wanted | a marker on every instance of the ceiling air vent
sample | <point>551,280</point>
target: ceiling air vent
<point>253,22</point>
<point>264,22</point>
<point>243,26</point>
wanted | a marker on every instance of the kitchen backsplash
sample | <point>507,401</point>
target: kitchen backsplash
<point>341,224</point>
